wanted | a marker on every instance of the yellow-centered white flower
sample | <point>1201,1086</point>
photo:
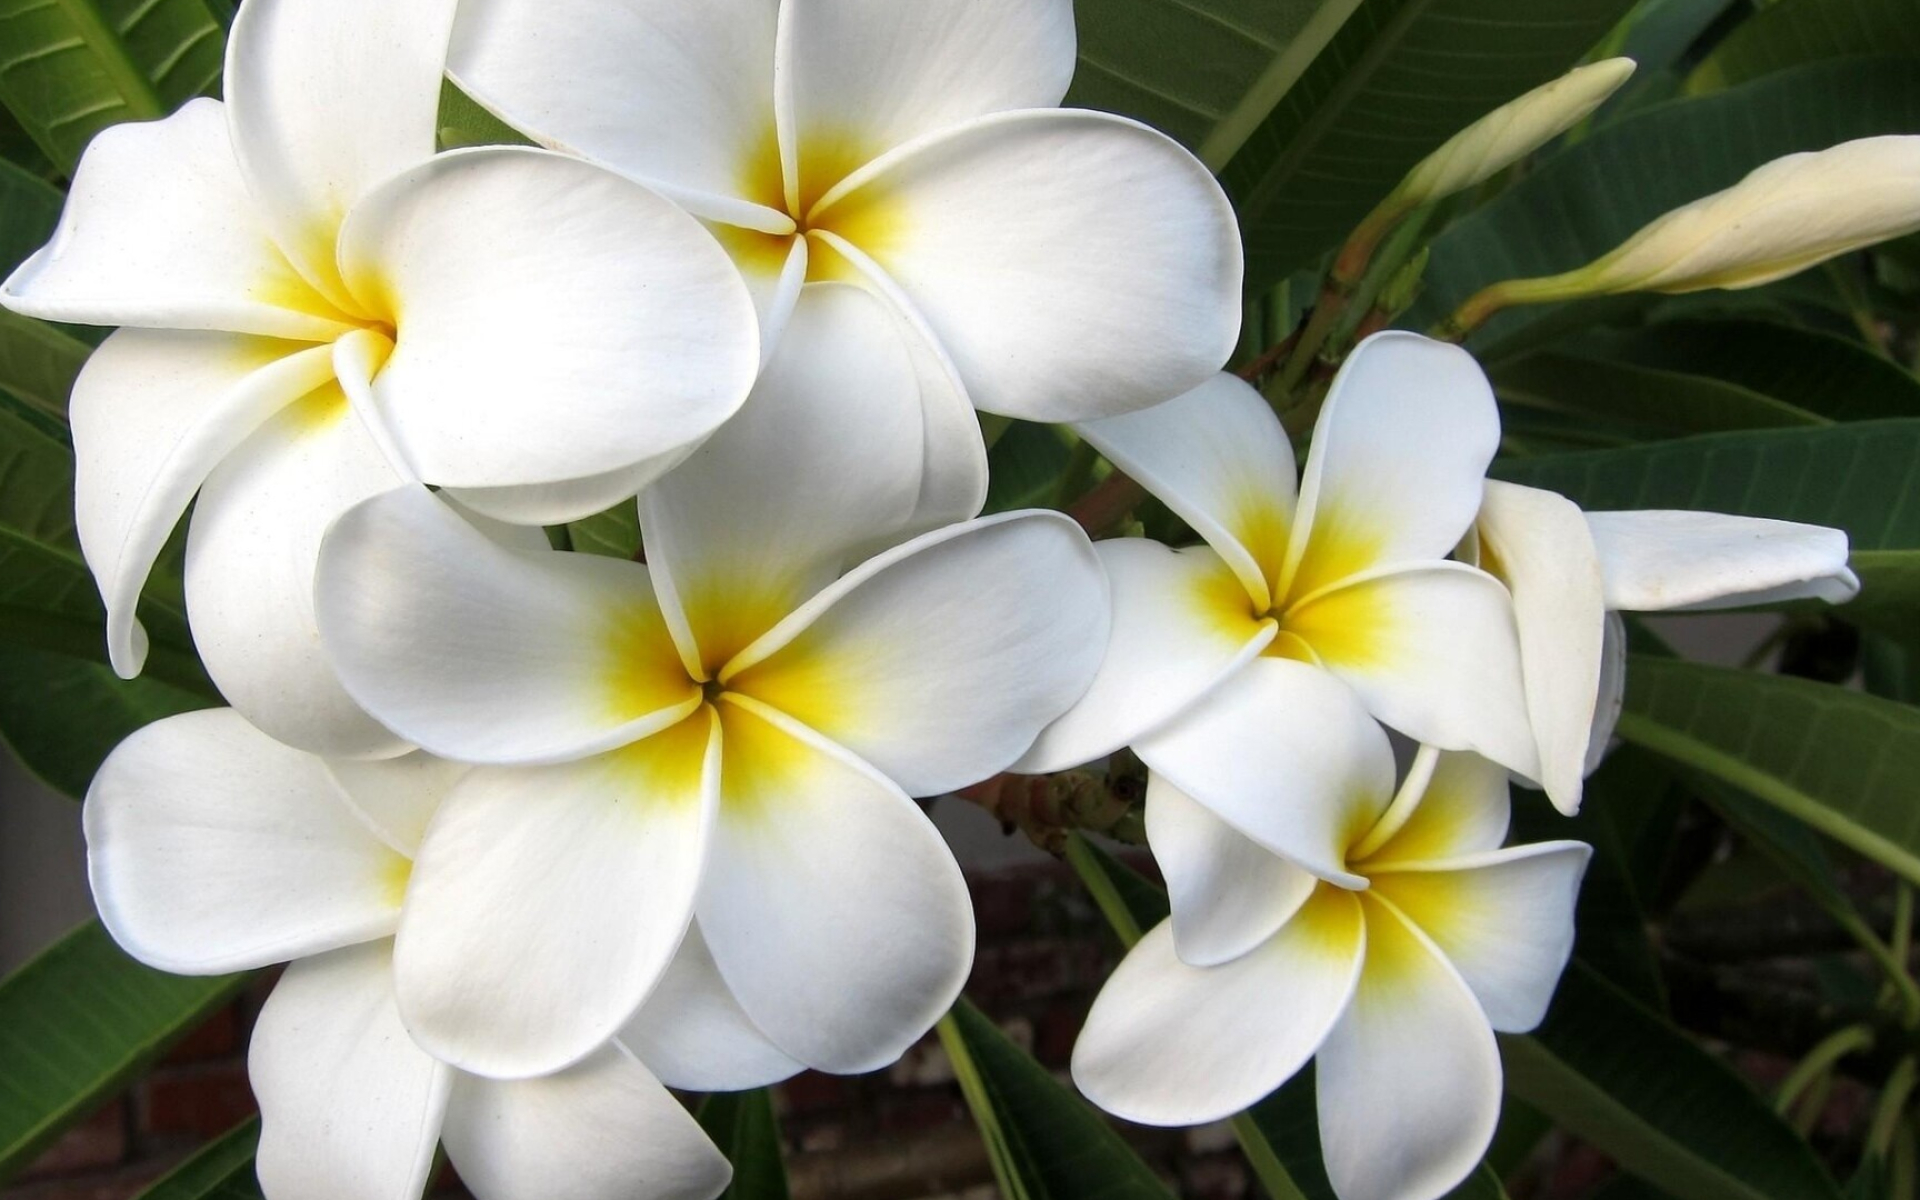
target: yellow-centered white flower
<point>1050,264</point>
<point>542,334</point>
<point>213,848</point>
<point>732,729</point>
<point>1395,986</point>
<point>1353,580</point>
<point>1568,569</point>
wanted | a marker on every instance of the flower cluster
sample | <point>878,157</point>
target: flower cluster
<point>545,833</point>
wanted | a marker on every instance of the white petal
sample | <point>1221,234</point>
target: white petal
<point>1399,455</point>
<point>488,654</point>
<point>546,902</point>
<point>349,1106</point>
<point>1503,918</point>
<point>327,100</point>
<point>603,1130</point>
<point>1229,893</point>
<point>1663,559</point>
<point>159,231</point>
<point>212,848</point>
<point>863,76</point>
<point>1613,691</point>
<point>774,268</point>
<point>677,95</point>
<point>1464,810</point>
<point>1286,754</point>
<point>559,503</point>
<point>941,660</point>
<point>1537,543</point>
<point>1171,1044</point>
<point>1433,651</point>
<point>1182,622</point>
<point>833,908</point>
<point>396,797</point>
<point>694,1035</point>
<point>1409,1080</point>
<point>252,550</point>
<point>153,412</point>
<point>824,457</point>
<point>1218,458</point>
<point>1074,264</point>
<point>555,320</point>
<point>953,468</point>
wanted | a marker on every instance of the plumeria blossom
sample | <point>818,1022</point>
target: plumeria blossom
<point>1395,985</point>
<point>539,334</point>
<point>1050,264</point>
<point>1353,579</point>
<point>731,730</point>
<point>214,848</point>
<point>1568,569</point>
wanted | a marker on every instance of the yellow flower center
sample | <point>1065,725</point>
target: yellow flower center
<point>825,158</point>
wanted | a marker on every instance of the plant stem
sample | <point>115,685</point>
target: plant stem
<point>1265,1163</point>
<point>1818,1061</point>
<point>1892,1106</point>
<point>1105,896</point>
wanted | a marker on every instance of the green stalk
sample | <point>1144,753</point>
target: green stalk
<point>1819,1060</point>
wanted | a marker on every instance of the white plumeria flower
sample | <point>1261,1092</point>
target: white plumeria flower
<point>214,848</point>
<point>1568,569</point>
<point>1050,264</point>
<point>1397,987</point>
<point>1353,580</point>
<point>732,729</point>
<point>539,333</point>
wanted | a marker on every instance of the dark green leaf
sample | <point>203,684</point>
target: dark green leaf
<point>70,68</point>
<point>61,715</point>
<point>1024,466</point>
<point>1791,32</point>
<point>1838,760</point>
<point>1615,395</point>
<point>1046,1142</point>
<point>743,1126</point>
<point>76,1024</point>
<point>220,1170</point>
<point>1587,199</point>
<point>29,210</point>
<point>614,533</point>
<point>1614,1074</point>
<point>39,362</point>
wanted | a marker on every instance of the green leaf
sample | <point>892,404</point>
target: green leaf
<point>29,210</point>
<point>38,362</point>
<point>1818,372</point>
<point>1791,32</point>
<point>70,68</point>
<point>743,1126</point>
<point>1619,395</point>
<point>1587,199</point>
<point>463,122</point>
<point>1614,1074</point>
<point>61,716</point>
<point>76,1024</point>
<point>1046,1143</point>
<point>1840,761</point>
<point>1024,467</point>
<point>614,533</point>
<point>220,1170</point>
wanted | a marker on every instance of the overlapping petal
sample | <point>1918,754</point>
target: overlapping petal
<point>1409,1079</point>
<point>326,100</point>
<point>834,909</point>
<point>602,1130</point>
<point>1664,559</point>
<point>1433,651</point>
<point>1463,810</point>
<point>159,232</point>
<point>1218,457</point>
<point>349,1106</point>
<point>693,1034</point>
<point>487,654</point>
<point>546,902</point>
<point>1074,264</point>
<point>940,661</point>
<point>252,551</point>
<point>1181,623</point>
<point>1503,918</point>
<point>1172,1044</point>
<point>153,412</point>
<point>679,96</point>
<point>1286,754</point>
<point>1399,454</point>
<point>556,321</point>
<point>1537,541</point>
<point>1228,892</point>
<point>825,457</point>
<point>213,848</point>
<point>396,797</point>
